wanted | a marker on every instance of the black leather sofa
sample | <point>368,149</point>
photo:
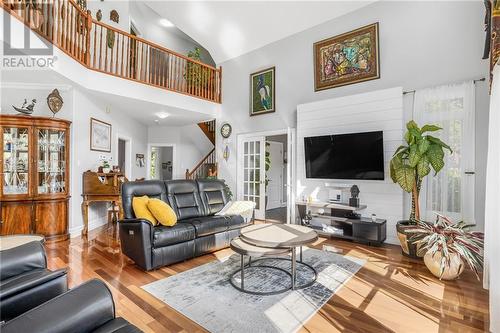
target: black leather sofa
<point>25,281</point>
<point>197,232</point>
<point>84,309</point>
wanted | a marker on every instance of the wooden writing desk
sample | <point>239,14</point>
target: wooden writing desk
<point>101,187</point>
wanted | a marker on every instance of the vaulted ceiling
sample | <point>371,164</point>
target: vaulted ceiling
<point>228,29</point>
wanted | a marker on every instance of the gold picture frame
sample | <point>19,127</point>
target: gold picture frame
<point>351,57</point>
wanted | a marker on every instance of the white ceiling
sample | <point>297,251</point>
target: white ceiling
<point>139,110</point>
<point>228,29</point>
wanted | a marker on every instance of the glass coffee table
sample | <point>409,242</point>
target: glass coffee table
<point>267,242</point>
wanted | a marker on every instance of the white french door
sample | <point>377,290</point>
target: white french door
<point>252,174</point>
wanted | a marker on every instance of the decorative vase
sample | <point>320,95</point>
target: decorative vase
<point>452,270</point>
<point>106,170</point>
<point>409,248</point>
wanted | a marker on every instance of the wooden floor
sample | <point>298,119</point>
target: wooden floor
<point>391,293</point>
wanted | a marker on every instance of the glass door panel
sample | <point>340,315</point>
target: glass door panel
<point>51,161</point>
<point>252,186</point>
<point>15,160</point>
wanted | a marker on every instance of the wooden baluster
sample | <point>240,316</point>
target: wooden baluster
<point>106,63</point>
<point>128,57</point>
<point>51,17</point>
<point>163,79</point>
<point>95,46</point>
<point>147,64</point>
<point>56,20</point>
<point>179,72</point>
<point>143,59</point>
<point>111,54</point>
<point>157,67</point>
<point>199,80</point>
<point>46,17</point>
<point>121,58</point>
<point>100,49</point>
<point>184,69</point>
<point>72,30</point>
<point>163,72</point>
<point>66,32</point>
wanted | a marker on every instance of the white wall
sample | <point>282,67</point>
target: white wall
<point>83,159</point>
<point>147,21</point>
<point>79,106</point>
<point>191,145</point>
<point>373,111</point>
<point>422,44</point>
<point>122,7</point>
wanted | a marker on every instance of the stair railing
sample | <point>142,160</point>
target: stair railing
<point>201,169</point>
<point>108,50</point>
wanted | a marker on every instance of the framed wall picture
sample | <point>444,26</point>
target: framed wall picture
<point>348,58</point>
<point>139,160</point>
<point>100,135</point>
<point>262,92</point>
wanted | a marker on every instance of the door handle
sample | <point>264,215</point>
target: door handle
<point>469,172</point>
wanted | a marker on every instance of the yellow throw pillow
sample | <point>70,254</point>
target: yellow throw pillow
<point>162,212</point>
<point>141,211</point>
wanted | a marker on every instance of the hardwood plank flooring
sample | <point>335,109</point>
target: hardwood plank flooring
<point>391,293</point>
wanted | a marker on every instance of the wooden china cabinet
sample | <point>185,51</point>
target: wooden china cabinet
<point>35,169</point>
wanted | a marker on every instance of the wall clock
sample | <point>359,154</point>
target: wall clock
<point>226,130</point>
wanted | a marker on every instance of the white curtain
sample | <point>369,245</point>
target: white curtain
<point>451,107</point>
<point>492,207</point>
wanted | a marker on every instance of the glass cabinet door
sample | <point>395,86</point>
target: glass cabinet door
<point>51,161</point>
<point>15,160</point>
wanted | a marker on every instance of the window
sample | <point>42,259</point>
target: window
<point>450,192</point>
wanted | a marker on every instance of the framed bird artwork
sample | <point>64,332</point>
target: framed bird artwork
<point>262,94</point>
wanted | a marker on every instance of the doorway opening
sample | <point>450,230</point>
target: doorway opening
<point>124,157</point>
<point>265,173</point>
<point>161,164</point>
<point>275,181</point>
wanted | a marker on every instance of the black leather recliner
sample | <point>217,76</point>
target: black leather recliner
<point>197,232</point>
<point>84,309</point>
<point>25,281</point>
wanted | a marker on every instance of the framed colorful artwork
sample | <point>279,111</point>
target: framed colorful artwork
<point>262,92</point>
<point>100,135</point>
<point>348,58</point>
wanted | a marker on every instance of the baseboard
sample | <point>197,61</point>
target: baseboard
<point>77,231</point>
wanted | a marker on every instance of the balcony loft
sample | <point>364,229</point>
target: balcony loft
<point>107,50</point>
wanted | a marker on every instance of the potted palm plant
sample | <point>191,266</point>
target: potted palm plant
<point>410,164</point>
<point>446,245</point>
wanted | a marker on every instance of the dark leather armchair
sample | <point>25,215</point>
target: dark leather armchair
<point>25,281</point>
<point>84,309</point>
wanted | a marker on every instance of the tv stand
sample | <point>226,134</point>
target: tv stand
<point>340,216</point>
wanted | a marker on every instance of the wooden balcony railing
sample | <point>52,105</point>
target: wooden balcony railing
<point>105,49</point>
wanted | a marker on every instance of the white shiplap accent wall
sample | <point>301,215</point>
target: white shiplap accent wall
<point>373,111</point>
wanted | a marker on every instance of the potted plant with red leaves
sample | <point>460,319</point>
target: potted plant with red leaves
<point>447,246</point>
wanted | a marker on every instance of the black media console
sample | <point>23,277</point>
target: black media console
<point>336,215</point>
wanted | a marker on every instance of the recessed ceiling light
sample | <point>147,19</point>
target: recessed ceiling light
<point>162,115</point>
<point>166,23</point>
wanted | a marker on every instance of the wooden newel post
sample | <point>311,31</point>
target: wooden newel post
<point>87,38</point>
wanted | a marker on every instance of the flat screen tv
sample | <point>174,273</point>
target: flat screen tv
<point>345,156</point>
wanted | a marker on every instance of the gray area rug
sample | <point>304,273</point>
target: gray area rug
<point>205,295</point>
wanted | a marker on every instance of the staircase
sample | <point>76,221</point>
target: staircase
<point>105,49</point>
<point>207,167</point>
<point>208,127</point>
